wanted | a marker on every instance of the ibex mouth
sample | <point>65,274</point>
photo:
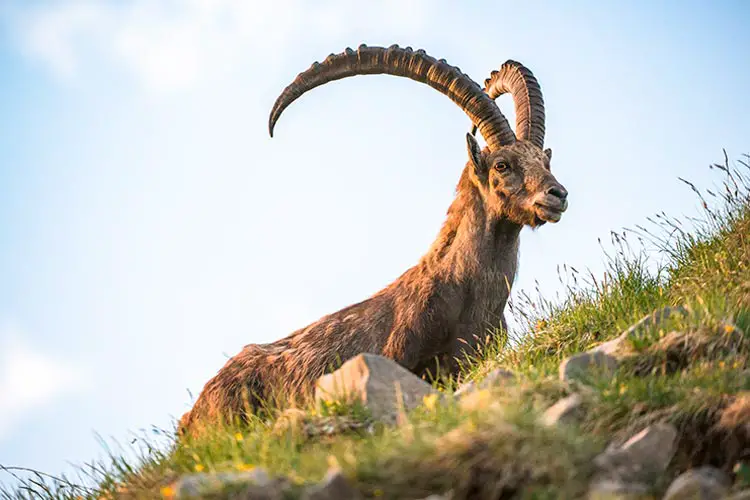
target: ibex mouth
<point>550,214</point>
<point>549,207</point>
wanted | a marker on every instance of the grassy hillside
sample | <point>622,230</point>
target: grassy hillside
<point>496,448</point>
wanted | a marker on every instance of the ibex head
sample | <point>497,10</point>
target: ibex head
<point>516,183</point>
<point>515,177</point>
<point>513,172</point>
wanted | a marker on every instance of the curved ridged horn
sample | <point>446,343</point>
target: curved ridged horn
<point>416,65</point>
<point>516,79</point>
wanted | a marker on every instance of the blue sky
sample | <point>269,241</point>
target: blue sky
<point>149,227</point>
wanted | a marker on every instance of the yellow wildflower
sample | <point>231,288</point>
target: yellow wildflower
<point>430,400</point>
<point>244,467</point>
<point>199,467</point>
<point>239,437</point>
<point>168,492</point>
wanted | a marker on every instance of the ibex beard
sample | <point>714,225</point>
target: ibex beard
<point>434,314</point>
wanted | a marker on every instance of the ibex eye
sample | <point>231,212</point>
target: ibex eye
<point>501,166</point>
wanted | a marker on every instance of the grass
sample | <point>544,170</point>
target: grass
<point>692,371</point>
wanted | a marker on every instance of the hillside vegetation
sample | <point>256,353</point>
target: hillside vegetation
<point>696,380</point>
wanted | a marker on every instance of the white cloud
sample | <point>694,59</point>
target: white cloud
<point>30,379</point>
<point>172,44</point>
<point>48,36</point>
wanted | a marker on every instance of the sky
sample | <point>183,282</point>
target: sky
<point>150,227</point>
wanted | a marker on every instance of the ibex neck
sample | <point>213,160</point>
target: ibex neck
<point>471,241</point>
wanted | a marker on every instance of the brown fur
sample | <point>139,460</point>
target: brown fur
<point>433,312</point>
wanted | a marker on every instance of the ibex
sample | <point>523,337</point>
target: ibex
<point>432,314</point>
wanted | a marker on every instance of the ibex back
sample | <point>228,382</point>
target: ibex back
<point>434,313</point>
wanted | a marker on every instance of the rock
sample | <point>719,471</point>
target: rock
<point>334,486</point>
<point>702,483</point>
<point>565,411</point>
<point>495,377</point>
<point>255,485</point>
<point>382,385</point>
<point>657,317</point>
<point>655,445</point>
<point>579,365</point>
<point>642,459</point>
<point>608,489</point>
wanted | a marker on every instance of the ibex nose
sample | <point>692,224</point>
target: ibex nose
<point>558,191</point>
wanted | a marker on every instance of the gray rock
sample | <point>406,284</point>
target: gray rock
<point>642,459</point>
<point>334,486</point>
<point>382,385</point>
<point>255,485</point>
<point>565,411</point>
<point>702,483</point>
<point>655,445</point>
<point>609,489</point>
<point>582,364</point>
<point>616,345</point>
<point>497,376</point>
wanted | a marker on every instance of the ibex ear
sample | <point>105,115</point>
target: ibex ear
<point>548,154</point>
<point>475,154</point>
